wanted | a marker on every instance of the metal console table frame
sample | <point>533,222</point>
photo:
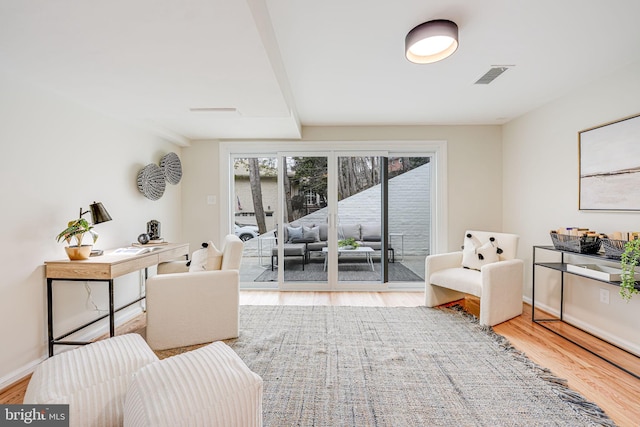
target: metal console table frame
<point>104,268</point>
<point>562,268</point>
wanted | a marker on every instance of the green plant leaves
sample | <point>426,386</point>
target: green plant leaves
<point>75,230</point>
<point>628,262</point>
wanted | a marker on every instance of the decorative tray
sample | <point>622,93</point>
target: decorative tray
<point>597,271</point>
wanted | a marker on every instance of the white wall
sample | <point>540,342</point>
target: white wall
<point>540,152</point>
<point>200,180</point>
<point>56,157</point>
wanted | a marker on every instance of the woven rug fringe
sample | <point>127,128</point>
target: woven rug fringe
<point>559,385</point>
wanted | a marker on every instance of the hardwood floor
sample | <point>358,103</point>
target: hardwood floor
<point>615,391</point>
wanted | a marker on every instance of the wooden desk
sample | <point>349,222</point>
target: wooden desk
<point>103,268</point>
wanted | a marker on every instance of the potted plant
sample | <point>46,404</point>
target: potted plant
<point>75,231</point>
<point>629,261</point>
<point>349,243</point>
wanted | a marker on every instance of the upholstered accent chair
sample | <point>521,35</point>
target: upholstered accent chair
<point>196,304</point>
<point>496,276</point>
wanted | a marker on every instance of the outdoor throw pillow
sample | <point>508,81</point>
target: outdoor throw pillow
<point>206,259</point>
<point>311,233</point>
<point>347,231</point>
<point>294,233</point>
<point>371,232</point>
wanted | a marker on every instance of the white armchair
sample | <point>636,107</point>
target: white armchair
<point>498,285</point>
<point>186,308</point>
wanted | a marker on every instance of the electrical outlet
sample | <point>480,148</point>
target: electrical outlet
<point>604,296</point>
<point>211,200</point>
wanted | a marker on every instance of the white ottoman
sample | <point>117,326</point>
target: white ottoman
<point>92,379</point>
<point>210,386</point>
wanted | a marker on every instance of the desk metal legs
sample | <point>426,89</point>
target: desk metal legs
<point>50,315</point>
<point>112,323</point>
<point>111,315</point>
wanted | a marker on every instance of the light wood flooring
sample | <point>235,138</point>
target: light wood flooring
<point>615,391</point>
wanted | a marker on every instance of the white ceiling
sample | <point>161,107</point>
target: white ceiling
<point>287,63</point>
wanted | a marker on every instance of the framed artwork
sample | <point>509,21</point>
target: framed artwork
<point>609,159</point>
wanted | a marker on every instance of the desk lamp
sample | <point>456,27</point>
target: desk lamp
<point>98,215</point>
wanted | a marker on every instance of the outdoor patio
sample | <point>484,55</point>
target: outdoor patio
<point>256,261</point>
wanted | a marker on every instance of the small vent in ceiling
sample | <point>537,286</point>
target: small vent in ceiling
<point>492,74</point>
<point>213,110</point>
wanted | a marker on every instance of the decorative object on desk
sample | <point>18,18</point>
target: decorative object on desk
<point>77,228</point>
<point>133,250</point>
<point>143,239</point>
<point>349,243</point>
<point>153,229</point>
<point>171,168</point>
<point>628,262</point>
<point>151,181</point>
<point>75,231</point>
<point>608,156</point>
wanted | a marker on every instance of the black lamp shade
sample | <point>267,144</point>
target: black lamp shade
<point>99,213</point>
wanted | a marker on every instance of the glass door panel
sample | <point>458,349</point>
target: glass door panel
<point>254,202</point>
<point>359,213</point>
<point>304,217</point>
<point>409,217</point>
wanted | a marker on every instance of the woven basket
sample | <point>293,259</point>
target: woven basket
<point>580,244</point>
<point>613,248</point>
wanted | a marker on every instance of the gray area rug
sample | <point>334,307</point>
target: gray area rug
<point>374,366</point>
<point>348,270</point>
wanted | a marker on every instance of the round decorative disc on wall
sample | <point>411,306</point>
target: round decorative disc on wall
<point>171,167</point>
<point>151,181</point>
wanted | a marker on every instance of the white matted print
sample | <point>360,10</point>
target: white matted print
<point>610,166</point>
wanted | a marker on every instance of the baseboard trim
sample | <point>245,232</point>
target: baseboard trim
<point>20,373</point>
<point>91,333</point>
<point>587,327</point>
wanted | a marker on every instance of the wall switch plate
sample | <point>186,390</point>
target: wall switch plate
<point>211,200</point>
<point>604,296</point>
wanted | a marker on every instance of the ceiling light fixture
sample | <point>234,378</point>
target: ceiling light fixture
<point>431,41</point>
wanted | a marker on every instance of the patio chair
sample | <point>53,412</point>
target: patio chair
<point>290,250</point>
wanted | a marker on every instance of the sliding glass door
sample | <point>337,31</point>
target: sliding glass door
<point>333,220</point>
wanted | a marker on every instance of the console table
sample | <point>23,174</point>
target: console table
<point>104,268</point>
<point>562,268</point>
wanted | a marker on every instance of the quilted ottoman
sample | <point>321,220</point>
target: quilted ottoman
<point>210,386</point>
<point>92,379</point>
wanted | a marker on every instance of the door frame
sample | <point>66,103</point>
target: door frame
<point>437,150</point>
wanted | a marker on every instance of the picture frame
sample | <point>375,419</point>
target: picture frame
<point>609,166</point>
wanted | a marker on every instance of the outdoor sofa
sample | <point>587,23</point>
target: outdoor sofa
<point>301,240</point>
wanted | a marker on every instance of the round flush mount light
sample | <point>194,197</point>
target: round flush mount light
<point>431,41</point>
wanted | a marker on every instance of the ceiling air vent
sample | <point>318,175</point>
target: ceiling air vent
<point>214,110</point>
<point>491,75</point>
